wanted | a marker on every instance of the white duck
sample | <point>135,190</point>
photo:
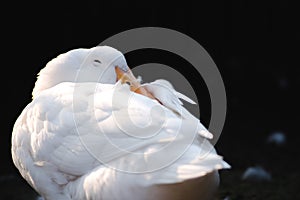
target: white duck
<point>81,138</point>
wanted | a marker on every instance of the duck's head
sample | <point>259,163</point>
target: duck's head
<point>101,64</point>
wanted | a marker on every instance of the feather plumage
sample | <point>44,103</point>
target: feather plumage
<point>75,141</point>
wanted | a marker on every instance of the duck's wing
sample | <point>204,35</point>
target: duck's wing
<point>163,91</point>
<point>72,130</point>
<point>46,148</point>
<point>166,94</point>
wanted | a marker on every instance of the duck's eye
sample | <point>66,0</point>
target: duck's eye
<point>128,83</point>
<point>97,61</point>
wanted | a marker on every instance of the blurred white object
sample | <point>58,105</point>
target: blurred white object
<point>256,174</point>
<point>277,138</point>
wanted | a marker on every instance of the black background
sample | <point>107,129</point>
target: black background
<point>254,44</point>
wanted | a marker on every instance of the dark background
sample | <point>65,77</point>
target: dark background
<point>254,44</point>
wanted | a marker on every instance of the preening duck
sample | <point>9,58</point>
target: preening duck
<point>92,131</point>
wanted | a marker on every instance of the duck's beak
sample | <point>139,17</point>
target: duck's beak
<point>128,78</point>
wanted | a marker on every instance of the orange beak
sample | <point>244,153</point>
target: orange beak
<point>135,86</point>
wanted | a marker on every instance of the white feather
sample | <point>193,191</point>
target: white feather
<point>169,97</point>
